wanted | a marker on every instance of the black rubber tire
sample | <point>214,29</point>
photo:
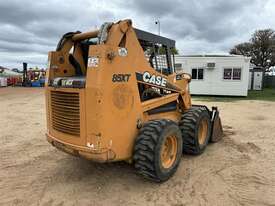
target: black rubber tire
<point>189,126</point>
<point>147,149</point>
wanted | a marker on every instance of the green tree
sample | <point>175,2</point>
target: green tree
<point>173,50</point>
<point>261,48</point>
<point>242,49</point>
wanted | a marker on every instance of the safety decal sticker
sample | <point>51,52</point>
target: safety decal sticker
<point>122,52</point>
<point>93,61</point>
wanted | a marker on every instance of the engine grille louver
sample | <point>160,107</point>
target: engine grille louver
<point>65,112</point>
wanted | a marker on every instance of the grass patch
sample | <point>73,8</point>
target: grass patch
<point>268,94</point>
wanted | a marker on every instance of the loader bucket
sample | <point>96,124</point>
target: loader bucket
<point>216,126</point>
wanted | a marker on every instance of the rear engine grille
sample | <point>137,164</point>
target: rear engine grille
<point>65,112</point>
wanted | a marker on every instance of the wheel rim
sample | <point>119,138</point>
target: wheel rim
<point>203,130</point>
<point>169,151</point>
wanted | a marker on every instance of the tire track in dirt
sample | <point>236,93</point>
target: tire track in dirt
<point>242,186</point>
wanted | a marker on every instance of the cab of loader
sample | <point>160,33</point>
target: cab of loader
<point>112,94</point>
<point>157,51</point>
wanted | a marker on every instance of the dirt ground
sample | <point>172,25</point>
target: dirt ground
<point>239,170</point>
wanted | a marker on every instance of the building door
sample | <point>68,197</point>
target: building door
<point>258,80</point>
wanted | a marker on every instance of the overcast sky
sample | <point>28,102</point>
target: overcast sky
<point>29,29</point>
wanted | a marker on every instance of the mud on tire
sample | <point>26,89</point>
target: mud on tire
<point>150,147</point>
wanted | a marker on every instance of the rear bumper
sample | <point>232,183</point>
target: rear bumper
<point>97,155</point>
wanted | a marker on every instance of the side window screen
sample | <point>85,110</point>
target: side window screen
<point>158,58</point>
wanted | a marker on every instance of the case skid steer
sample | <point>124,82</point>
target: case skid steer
<point>112,94</point>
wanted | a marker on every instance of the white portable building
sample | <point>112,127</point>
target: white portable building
<point>216,74</point>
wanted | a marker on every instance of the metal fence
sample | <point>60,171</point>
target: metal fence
<point>269,81</point>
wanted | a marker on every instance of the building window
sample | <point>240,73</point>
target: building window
<point>197,73</point>
<point>227,73</point>
<point>237,74</point>
<point>232,73</point>
<point>194,73</point>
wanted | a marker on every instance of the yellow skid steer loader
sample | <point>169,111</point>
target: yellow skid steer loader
<point>112,94</point>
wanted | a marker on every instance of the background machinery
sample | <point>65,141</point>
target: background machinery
<point>111,97</point>
<point>33,77</point>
